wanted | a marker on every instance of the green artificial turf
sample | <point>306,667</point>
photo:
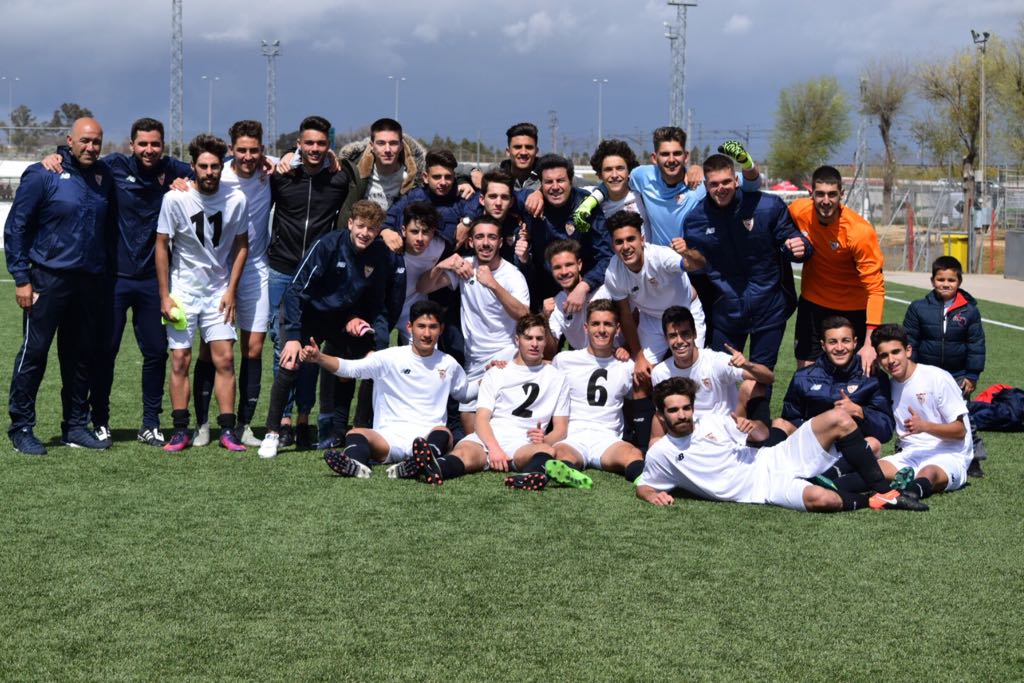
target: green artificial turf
<point>136,564</point>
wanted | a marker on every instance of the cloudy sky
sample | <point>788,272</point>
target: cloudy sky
<point>470,67</point>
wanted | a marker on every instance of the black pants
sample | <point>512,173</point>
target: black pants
<point>69,305</point>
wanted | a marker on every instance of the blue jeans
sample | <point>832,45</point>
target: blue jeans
<point>304,392</point>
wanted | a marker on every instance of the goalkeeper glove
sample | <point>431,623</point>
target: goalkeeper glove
<point>734,149</point>
<point>581,216</point>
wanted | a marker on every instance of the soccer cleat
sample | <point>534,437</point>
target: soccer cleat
<point>414,466</point>
<point>250,439</point>
<point>303,437</point>
<point>102,434</point>
<point>268,447</point>
<point>25,441</point>
<point>531,481</point>
<point>330,442</point>
<point>894,500</point>
<point>201,437</point>
<point>178,442</point>
<point>974,469</point>
<point>903,479</point>
<point>823,481</point>
<point>407,469</point>
<point>560,473</point>
<point>81,437</point>
<point>150,436</point>
<point>230,441</point>
<point>287,436</point>
<point>346,466</point>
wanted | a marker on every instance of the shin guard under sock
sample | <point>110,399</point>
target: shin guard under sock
<point>451,466</point>
<point>202,390</point>
<point>536,463</point>
<point>853,501</point>
<point>179,418</point>
<point>856,451</point>
<point>922,486</point>
<point>633,470</point>
<point>642,410</point>
<point>439,440</point>
<point>249,375</point>
<point>358,448</point>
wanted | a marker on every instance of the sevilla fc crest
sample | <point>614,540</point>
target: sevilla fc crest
<point>850,388</point>
<point>920,397</point>
<point>570,228</point>
<point>99,178</point>
<point>834,244</point>
<point>160,178</point>
<point>748,223</point>
<point>367,271</point>
<point>706,381</point>
<point>441,372</point>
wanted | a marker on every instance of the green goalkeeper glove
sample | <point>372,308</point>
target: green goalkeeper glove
<point>581,216</point>
<point>734,149</point>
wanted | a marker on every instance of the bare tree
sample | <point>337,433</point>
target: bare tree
<point>886,85</point>
<point>812,121</point>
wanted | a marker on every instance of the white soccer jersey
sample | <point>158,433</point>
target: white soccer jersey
<point>713,462</point>
<point>660,283</point>
<point>714,376</point>
<point>258,202</point>
<point>520,396</point>
<point>597,389</point>
<point>572,326</point>
<point>631,202</point>
<point>933,394</point>
<point>415,266</point>
<point>486,325</point>
<point>202,229</point>
<point>409,390</point>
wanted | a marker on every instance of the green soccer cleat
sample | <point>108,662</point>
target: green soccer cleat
<point>560,473</point>
<point>903,479</point>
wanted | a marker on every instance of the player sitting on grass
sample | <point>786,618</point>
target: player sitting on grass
<point>708,456</point>
<point>410,392</point>
<point>598,386</point>
<point>515,404</point>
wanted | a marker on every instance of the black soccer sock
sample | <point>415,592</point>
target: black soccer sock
<point>364,405</point>
<point>853,501</point>
<point>438,438</point>
<point>249,375</point>
<point>358,448</point>
<point>922,486</point>
<point>852,482</point>
<point>775,437</point>
<point>839,469</point>
<point>760,408</point>
<point>202,389</point>
<point>279,391</point>
<point>857,452</point>
<point>451,466</point>
<point>179,418</point>
<point>226,421</point>
<point>536,463</point>
<point>343,393</point>
<point>642,410</point>
<point>633,470</point>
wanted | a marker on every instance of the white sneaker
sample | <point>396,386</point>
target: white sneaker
<point>201,437</point>
<point>268,447</point>
<point>250,439</point>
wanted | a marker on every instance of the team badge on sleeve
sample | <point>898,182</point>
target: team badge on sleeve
<point>850,388</point>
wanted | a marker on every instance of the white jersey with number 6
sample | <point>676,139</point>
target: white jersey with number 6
<point>521,396</point>
<point>597,389</point>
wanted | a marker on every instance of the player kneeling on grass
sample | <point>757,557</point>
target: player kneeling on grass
<point>515,404</point>
<point>201,246</point>
<point>709,456</point>
<point>410,393</point>
<point>599,383</point>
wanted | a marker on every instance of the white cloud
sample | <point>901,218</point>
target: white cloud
<point>527,34</point>
<point>428,33</point>
<point>738,25</point>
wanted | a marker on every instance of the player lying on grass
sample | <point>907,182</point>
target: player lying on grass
<point>708,456</point>
<point>514,407</point>
<point>598,386</point>
<point>410,392</point>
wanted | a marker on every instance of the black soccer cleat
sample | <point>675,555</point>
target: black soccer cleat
<point>346,466</point>
<point>531,481</point>
<point>895,500</point>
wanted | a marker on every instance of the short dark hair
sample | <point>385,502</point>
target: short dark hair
<point>560,246</point>
<point>246,128</point>
<point>668,134</point>
<point>677,315</point>
<point>889,332</point>
<point>717,162</point>
<point>385,124</point>
<point>203,143</point>
<point>483,220</point>
<point>421,212</point>
<point>550,161</point>
<point>317,123</point>
<point>834,322</point>
<point>673,386</point>
<point>426,307</point>
<point>499,177</point>
<point>440,157</point>
<point>147,125</point>
<point>948,263</point>
<point>613,148</point>
<point>524,128</point>
<point>624,219</point>
<point>602,306</point>
<point>531,320</point>
<point>826,175</point>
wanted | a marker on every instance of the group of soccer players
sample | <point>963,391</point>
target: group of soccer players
<point>485,277</point>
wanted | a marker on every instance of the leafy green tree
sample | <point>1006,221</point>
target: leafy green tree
<point>811,123</point>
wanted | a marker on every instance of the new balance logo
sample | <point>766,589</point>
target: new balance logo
<point>406,371</point>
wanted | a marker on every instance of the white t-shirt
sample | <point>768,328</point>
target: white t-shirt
<point>572,326</point>
<point>714,376</point>
<point>384,190</point>
<point>409,391</point>
<point>258,202</point>
<point>631,202</point>
<point>597,389</point>
<point>202,229</point>
<point>486,325</point>
<point>520,396</point>
<point>660,283</point>
<point>415,266</point>
<point>933,394</point>
<point>713,462</point>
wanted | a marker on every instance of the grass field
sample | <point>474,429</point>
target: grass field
<point>134,564</point>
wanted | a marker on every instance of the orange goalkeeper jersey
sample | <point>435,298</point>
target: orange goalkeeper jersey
<point>845,270</point>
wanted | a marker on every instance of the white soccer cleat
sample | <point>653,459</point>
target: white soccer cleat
<point>268,447</point>
<point>250,439</point>
<point>201,437</point>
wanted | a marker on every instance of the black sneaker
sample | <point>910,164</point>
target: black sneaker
<point>304,438</point>
<point>103,435</point>
<point>25,441</point>
<point>974,469</point>
<point>151,436</point>
<point>81,437</point>
<point>286,436</point>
